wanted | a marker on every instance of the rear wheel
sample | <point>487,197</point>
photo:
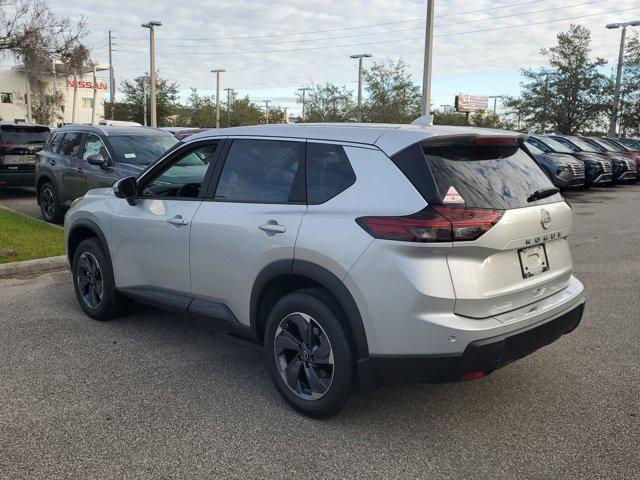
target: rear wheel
<point>93,282</point>
<point>51,210</point>
<point>310,359</point>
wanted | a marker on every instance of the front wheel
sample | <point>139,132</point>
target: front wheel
<point>308,353</point>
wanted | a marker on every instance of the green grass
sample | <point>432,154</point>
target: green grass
<point>23,238</point>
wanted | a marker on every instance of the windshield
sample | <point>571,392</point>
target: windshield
<point>141,150</point>
<point>23,135</point>
<point>630,144</point>
<point>476,177</point>
<point>586,146</point>
<point>533,149</point>
<point>556,146</point>
<point>612,146</point>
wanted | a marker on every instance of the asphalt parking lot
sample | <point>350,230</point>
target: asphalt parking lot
<point>22,200</point>
<point>153,395</point>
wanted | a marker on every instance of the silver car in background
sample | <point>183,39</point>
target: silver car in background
<point>355,254</point>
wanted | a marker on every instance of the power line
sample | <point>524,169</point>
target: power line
<point>390,41</point>
<point>379,33</point>
<point>341,28</point>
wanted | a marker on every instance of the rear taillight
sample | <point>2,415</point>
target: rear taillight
<point>433,224</point>
<point>5,147</point>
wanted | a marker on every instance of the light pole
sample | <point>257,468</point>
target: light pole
<point>152,68</point>
<point>304,102</point>
<point>266,111</point>
<point>616,92</point>
<point>230,93</point>
<point>428,48</point>
<point>218,71</point>
<point>360,56</point>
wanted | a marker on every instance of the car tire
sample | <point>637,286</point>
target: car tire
<point>93,282</point>
<point>316,374</point>
<point>50,208</point>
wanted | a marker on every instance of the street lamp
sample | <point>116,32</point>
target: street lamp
<point>230,93</point>
<point>218,72</point>
<point>616,92</point>
<point>360,56</point>
<point>152,67</point>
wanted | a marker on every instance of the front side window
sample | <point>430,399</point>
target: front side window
<point>94,146</point>
<point>328,172</point>
<point>260,171</point>
<point>183,177</point>
<point>140,150</point>
<point>71,144</point>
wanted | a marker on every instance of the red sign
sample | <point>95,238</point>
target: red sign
<point>86,84</point>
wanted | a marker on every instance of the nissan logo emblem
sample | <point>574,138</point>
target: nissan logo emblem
<point>545,218</point>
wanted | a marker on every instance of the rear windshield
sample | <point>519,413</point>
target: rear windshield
<point>473,176</point>
<point>141,150</point>
<point>23,135</point>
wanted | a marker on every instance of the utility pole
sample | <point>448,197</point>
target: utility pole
<point>360,56</point>
<point>266,110</point>
<point>54,89</point>
<point>95,97</point>
<point>112,80</point>
<point>218,72</point>
<point>304,102</point>
<point>428,51</point>
<point>144,102</point>
<point>616,92</point>
<point>152,68</point>
<point>230,93</point>
<point>75,97</point>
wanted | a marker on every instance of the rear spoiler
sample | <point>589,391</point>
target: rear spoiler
<point>476,139</point>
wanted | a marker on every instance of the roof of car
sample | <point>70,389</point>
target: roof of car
<point>388,137</point>
<point>108,130</point>
<point>20,124</point>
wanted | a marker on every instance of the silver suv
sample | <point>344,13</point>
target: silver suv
<point>355,254</point>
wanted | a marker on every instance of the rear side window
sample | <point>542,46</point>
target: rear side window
<point>328,172</point>
<point>483,176</point>
<point>260,171</point>
<point>71,144</point>
<point>54,143</point>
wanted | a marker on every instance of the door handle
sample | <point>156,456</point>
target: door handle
<point>52,162</point>
<point>80,170</point>
<point>272,227</point>
<point>178,221</point>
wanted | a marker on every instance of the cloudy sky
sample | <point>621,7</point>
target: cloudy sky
<point>270,48</point>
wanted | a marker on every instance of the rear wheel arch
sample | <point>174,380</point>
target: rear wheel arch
<point>284,277</point>
<point>82,230</point>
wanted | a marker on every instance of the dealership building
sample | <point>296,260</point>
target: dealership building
<point>87,108</point>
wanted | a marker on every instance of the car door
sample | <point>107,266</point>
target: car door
<point>97,176</point>
<point>73,181</point>
<point>250,219</point>
<point>150,239</point>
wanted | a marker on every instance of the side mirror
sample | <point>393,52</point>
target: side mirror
<point>126,188</point>
<point>97,160</point>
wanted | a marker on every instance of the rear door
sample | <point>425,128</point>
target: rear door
<point>73,181</point>
<point>249,221</point>
<point>525,256</point>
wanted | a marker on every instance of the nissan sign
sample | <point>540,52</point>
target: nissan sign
<point>87,84</point>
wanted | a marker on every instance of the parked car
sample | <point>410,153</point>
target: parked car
<point>19,143</point>
<point>183,132</point>
<point>620,166</point>
<point>78,158</point>
<point>629,147</point>
<point>626,170</point>
<point>564,170</point>
<point>597,169</point>
<point>421,253</point>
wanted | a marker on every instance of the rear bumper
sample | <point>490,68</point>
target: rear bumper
<point>19,176</point>
<point>483,356</point>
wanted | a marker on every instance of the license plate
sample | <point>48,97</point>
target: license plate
<point>18,159</point>
<point>533,260</point>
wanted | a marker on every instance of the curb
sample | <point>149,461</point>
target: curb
<point>39,265</point>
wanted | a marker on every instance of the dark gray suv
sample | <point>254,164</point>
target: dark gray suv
<point>77,158</point>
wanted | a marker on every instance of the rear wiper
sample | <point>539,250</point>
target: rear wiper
<point>543,193</point>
